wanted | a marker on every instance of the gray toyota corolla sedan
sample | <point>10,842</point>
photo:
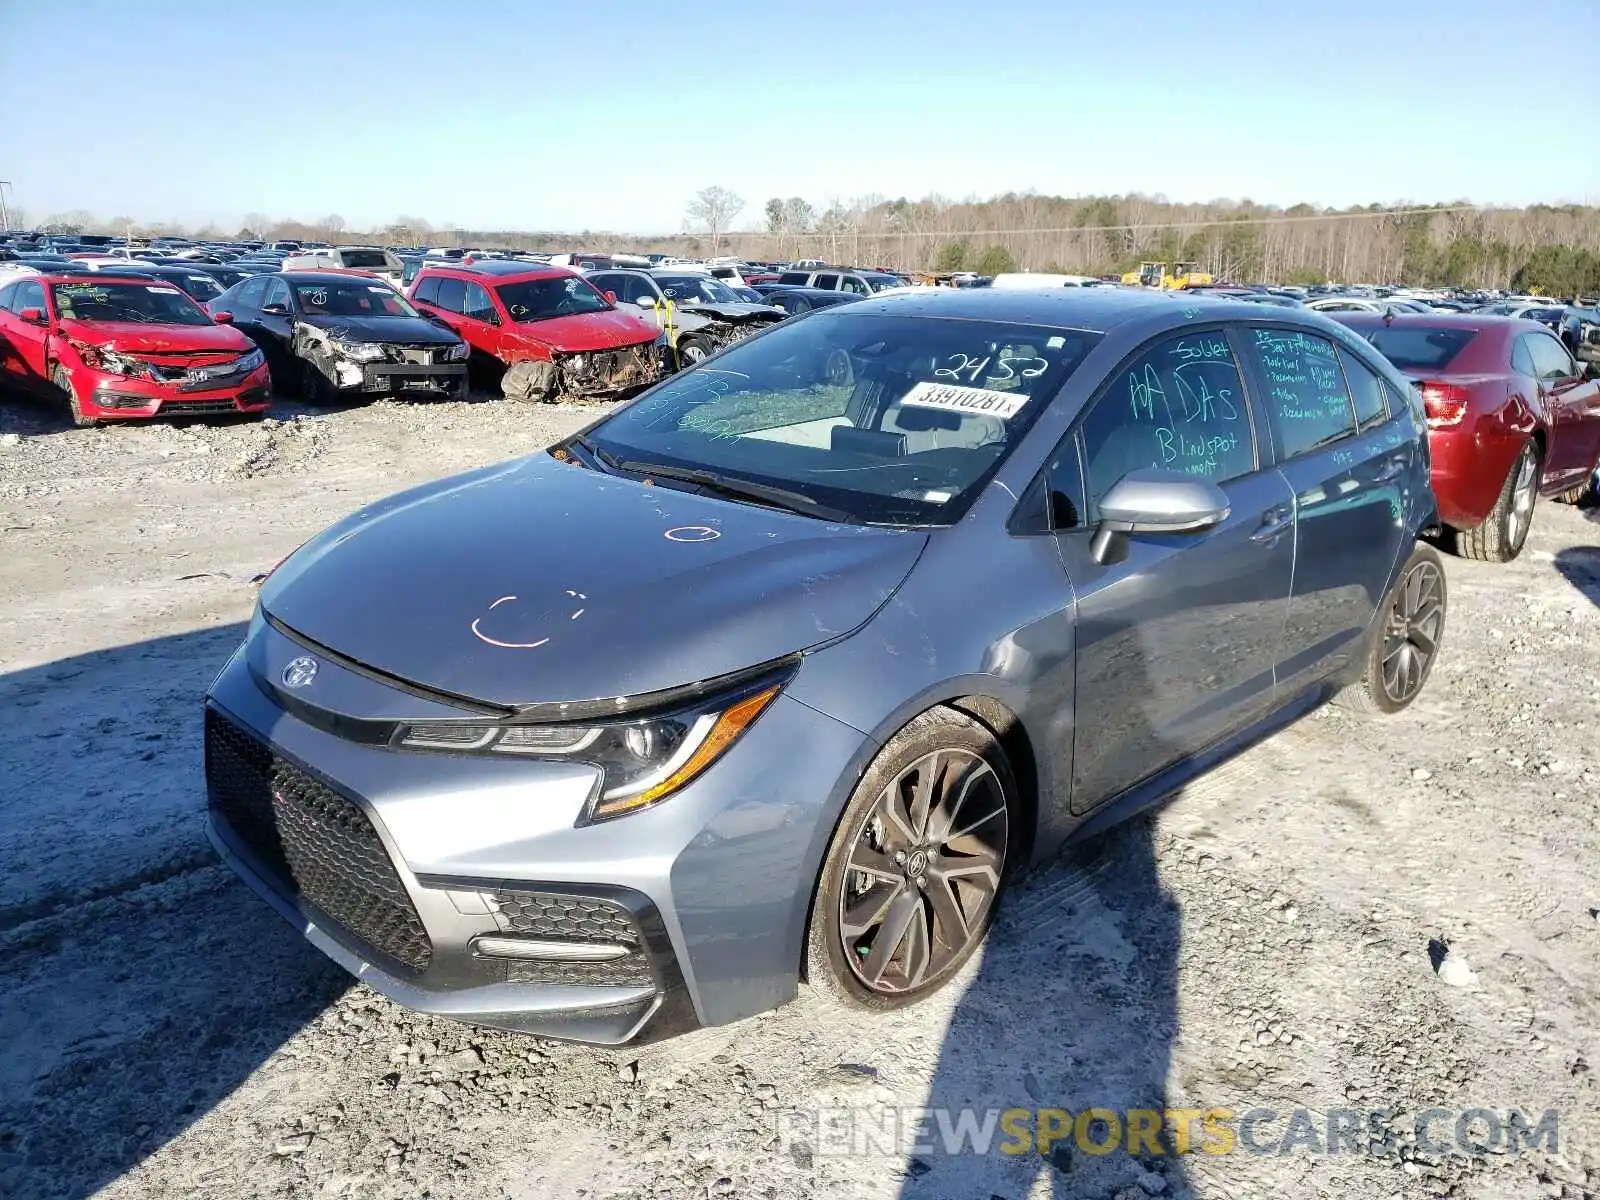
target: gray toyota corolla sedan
<point>780,670</point>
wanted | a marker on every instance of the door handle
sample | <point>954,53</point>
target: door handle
<point>1275,523</point>
<point>1391,469</point>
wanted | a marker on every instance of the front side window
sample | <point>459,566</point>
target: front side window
<point>1366,389</point>
<point>831,282</point>
<point>1306,399</point>
<point>29,295</point>
<point>886,419</point>
<point>151,304</point>
<point>851,284</point>
<point>1178,406</point>
<point>555,296</point>
<point>249,293</point>
<point>478,306</point>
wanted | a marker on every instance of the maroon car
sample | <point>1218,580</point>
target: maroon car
<point>1511,417</point>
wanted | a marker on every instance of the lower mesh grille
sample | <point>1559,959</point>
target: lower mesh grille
<point>317,844</point>
<point>557,917</point>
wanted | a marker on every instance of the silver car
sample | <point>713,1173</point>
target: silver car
<point>781,670</point>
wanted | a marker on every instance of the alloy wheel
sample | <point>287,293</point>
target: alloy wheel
<point>1411,633</point>
<point>1523,493</point>
<point>924,871</point>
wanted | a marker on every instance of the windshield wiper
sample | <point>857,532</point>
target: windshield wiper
<point>744,489</point>
<point>604,457</point>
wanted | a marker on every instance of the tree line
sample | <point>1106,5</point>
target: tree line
<point>1552,248</point>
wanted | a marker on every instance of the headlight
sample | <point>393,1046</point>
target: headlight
<point>642,760</point>
<point>457,352</point>
<point>249,362</point>
<point>102,359</point>
<point>360,351</point>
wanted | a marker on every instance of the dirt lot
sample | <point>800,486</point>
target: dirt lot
<point>1261,942</point>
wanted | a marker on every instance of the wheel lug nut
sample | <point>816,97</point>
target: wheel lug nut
<point>900,856</point>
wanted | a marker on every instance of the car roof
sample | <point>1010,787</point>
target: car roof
<point>100,278</point>
<point>498,268</point>
<point>1477,322</point>
<point>1093,309</point>
<point>330,276</point>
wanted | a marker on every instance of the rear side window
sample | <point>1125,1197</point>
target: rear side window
<point>452,295</point>
<point>1179,405</point>
<point>1550,358</point>
<point>1306,394</point>
<point>249,293</point>
<point>428,290</point>
<point>1366,389</point>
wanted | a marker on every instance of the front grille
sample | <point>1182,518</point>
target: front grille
<point>319,846</point>
<point>421,356</point>
<point>553,916</point>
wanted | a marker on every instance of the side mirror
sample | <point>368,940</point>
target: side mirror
<point>275,309</point>
<point>33,316</point>
<point>611,297</point>
<point>646,301</point>
<point>222,318</point>
<point>1152,500</point>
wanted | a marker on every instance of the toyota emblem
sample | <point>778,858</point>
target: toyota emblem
<point>300,672</point>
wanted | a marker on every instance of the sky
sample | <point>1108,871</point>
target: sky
<point>601,115</point>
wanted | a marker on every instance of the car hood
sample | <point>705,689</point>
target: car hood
<point>409,331</point>
<point>589,331</point>
<point>542,582</point>
<point>736,311</point>
<point>141,337</point>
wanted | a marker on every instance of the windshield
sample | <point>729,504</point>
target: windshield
<point>353,299</point>
<point>695,289</point>
<point>557,296</point>
<point>201,287</point>
<point>147,303</point>
<point>1414,349</point>
<point>890,419</point>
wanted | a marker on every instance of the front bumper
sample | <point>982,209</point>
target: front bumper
<point>398,864</point>
<point>440,379</point>
<point>112,397</point>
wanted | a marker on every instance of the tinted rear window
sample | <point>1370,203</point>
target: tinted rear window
<point>364,259</point>
<point>1411,348</point>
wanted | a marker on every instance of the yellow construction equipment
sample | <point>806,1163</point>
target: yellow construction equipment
<point>1158,275</point>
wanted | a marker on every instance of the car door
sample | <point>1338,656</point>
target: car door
<point>480,321</point>
<point>1176,643</point>
<point>1573,403</point>
<point>449,303</point>
<point>28,340</point>
<point>12,364</point>
<point>1349,477</point>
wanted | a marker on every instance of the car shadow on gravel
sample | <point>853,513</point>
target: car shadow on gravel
<point>30,416</point>
<point>140,982</point>
<point>1066,1032</point>
<point>1580,565</point>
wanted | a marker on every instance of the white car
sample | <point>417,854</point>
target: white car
<point>1338,304</point>
<point>1042,279</point>
<point>374,260</point>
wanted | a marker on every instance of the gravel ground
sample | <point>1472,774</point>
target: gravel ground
<point>1261,941</point>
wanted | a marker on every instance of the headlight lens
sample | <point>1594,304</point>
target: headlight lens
<point>457,352</point>
<point>250,361</point>
<point>642,761</point>
<point>360,351</point>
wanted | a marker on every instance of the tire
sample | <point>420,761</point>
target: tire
<point>60,378</point>
<point>964,766</point>
<point>530,381</point>
<point>691,350</point>
<point>1405,638</point>
<point>1504,531</point>
<point>316,389</point>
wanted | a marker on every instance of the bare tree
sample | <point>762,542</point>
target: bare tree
<point>331,225</point>
<point>714,208</point>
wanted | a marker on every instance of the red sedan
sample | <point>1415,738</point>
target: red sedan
<point>116,348</point>
<point>1511,417</point>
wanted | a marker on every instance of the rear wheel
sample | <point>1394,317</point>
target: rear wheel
<point>1504,531</point>
<point>1404,644</point>
<point>916,866</point>
<point>59,377</point>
